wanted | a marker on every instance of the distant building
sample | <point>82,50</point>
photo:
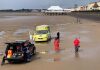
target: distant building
<point>89,7</point>
<point>80,8</point>
<point>69,10</point>
<point>58,9</point>
<point>55,9</point>
<point>36,10</point>
<point>93,6</point>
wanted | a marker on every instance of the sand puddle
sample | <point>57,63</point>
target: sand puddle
<point>85,39</point>
<point>2,33</point>
<point>90,53</point>
<point>53,59</point>
<point>64,54</point>
<point>69,54</point>
<point>61,25</point>
<point>1,53</point>
<point>21,31</point>
<point>84,53</point>
<point>84,32</point>
<point>81,37</point>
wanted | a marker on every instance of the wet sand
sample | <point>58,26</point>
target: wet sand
<point>17,27</point>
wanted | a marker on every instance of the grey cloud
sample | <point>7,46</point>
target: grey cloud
<point>18,4</point>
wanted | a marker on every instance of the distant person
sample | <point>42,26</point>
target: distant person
<point>78,20</point>
<point>76,44</point>
<point>31,37</point>
<point>58,35</point>
<point>56,44</point>
<point>32,41</point>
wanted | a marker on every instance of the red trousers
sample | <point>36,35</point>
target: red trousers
<point>56,47</point>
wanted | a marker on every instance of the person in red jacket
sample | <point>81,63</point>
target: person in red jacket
<point>76,44</point>
<point>56,44</point>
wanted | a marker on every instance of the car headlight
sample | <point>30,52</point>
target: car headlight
<point>22,54</point>
<point>19,54</point>
<point>14,54</point>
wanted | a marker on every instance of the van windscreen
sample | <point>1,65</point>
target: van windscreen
<point>42,32</point>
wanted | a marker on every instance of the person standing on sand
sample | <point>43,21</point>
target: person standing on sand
<point>58,35</point>
<point>31,35</point>
<point>56,44</point>
<point>31,38</point>
<point>76,44</point>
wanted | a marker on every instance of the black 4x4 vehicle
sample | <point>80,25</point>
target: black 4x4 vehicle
<point>19,51</point>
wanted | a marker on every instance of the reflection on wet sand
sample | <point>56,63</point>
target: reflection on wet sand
<point>20,31</point>
<point>77,55</point>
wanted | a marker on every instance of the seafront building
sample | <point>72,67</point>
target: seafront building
<point>57,10</point>
<point>81,8</point>
<point>93,6</point>
<point>89,7</point>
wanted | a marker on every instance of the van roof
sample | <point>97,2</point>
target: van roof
<point>42,27</point>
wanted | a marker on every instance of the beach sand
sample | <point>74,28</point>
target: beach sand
<point>17,28</point>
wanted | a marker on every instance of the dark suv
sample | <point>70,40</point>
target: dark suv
<point>21,51</point>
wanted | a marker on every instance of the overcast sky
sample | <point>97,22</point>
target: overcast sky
<point>39,4</point>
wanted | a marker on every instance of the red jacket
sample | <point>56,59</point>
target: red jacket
<point>56,43</point>
<point>76,42</point>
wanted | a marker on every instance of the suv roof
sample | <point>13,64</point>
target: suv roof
<point>16,43</point>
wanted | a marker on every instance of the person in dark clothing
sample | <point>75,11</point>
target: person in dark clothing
<point>58,35</point>
<point>25,53</point>
<point>25,49</point>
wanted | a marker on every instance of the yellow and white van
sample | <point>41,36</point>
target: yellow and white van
<point>42,33</point>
